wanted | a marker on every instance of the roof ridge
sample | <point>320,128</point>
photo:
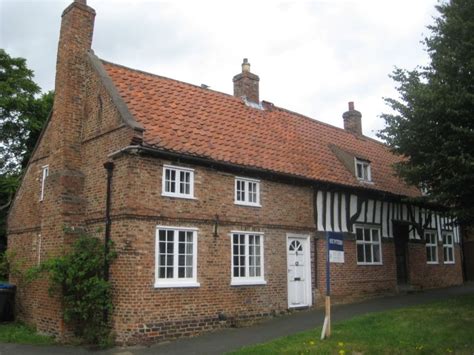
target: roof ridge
<point>171,79</point>
<point>313,120</point>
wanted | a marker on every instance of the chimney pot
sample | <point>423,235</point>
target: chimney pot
<point>246,83</point>
<point>352,120</point>
<point>246,66</point>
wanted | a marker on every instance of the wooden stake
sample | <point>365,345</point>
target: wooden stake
<point>326,332</point>
<point>328,315</point>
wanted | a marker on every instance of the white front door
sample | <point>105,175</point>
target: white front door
<point>299,270</point>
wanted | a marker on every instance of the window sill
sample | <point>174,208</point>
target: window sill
<point>239,203</point>
<point>247,282</point>
<point>177,284</point>
<point>370,264</point>
<point>368,182</point>
<point>432,262</point>
<point>449,262</point>
<point>179,196</point>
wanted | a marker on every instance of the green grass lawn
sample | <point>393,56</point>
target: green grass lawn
<point>21,334</point>
<point>435,328</point>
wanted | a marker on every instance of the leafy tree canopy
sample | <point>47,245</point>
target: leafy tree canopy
<point>433,123</point>
<point>23,112</point>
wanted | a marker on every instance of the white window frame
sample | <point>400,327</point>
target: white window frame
<point>248,280</point>
<point>175,281</point>
<point>429,236</point>
<point>178,170</point>
<point>365,164</point>
<point>448,246</point>
<point>371,242</point>
<point>247,182</point>
<point>44,176</point>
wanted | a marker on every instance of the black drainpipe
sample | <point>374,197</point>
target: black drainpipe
<point>109,166</point>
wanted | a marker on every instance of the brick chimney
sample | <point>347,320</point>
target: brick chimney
<point>75,39</point>
<point>246,83</point>
<point>352,120</point>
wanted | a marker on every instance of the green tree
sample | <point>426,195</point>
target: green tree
<point>433,123</point>
<point>23,112</point>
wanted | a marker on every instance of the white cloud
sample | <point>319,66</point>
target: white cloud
<point>312,56</point>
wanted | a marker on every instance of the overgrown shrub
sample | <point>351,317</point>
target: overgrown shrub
<point>78,277</point>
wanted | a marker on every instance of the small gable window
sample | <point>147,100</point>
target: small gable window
<point>44,175</point>
<point>362,169</point>
<point>247,192</point>
<point>178,182</point>
<point>448,248</point>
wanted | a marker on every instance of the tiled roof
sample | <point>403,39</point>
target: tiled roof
<point>196,121</point>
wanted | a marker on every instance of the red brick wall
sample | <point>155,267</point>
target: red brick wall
<point>424,275</point>
<point>143,312</point>
<point>352,281</point>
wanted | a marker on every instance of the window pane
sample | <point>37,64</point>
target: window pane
<point>162,272</point>
<point>182,182</point>
<point>173,181</point>
<point>376,249</point>
<point>375,235</point>
<point>360,253</point>
<point>189,248</point>
<point>162,234</point>
<point>162,248</point>
<point>359,233</point>
<point>367,235</point>
<point>445,254</point>
<point>236,271</point>
<point>429,257</point>
<point>368,253</point>
<point>360,174</point>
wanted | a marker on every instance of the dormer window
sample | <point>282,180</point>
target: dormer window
<point>363,170</point>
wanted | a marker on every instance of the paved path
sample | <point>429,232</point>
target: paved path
<point>233,338</point>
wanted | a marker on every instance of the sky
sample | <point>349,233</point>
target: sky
<point>312,57</point>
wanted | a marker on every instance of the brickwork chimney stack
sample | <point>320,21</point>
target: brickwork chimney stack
<point>75,40</point>
<point>246,83</point>
<point>352,120</point>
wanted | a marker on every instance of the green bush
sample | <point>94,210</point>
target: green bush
<point>78,277</point>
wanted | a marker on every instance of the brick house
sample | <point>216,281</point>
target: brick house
<point>219,203</point>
